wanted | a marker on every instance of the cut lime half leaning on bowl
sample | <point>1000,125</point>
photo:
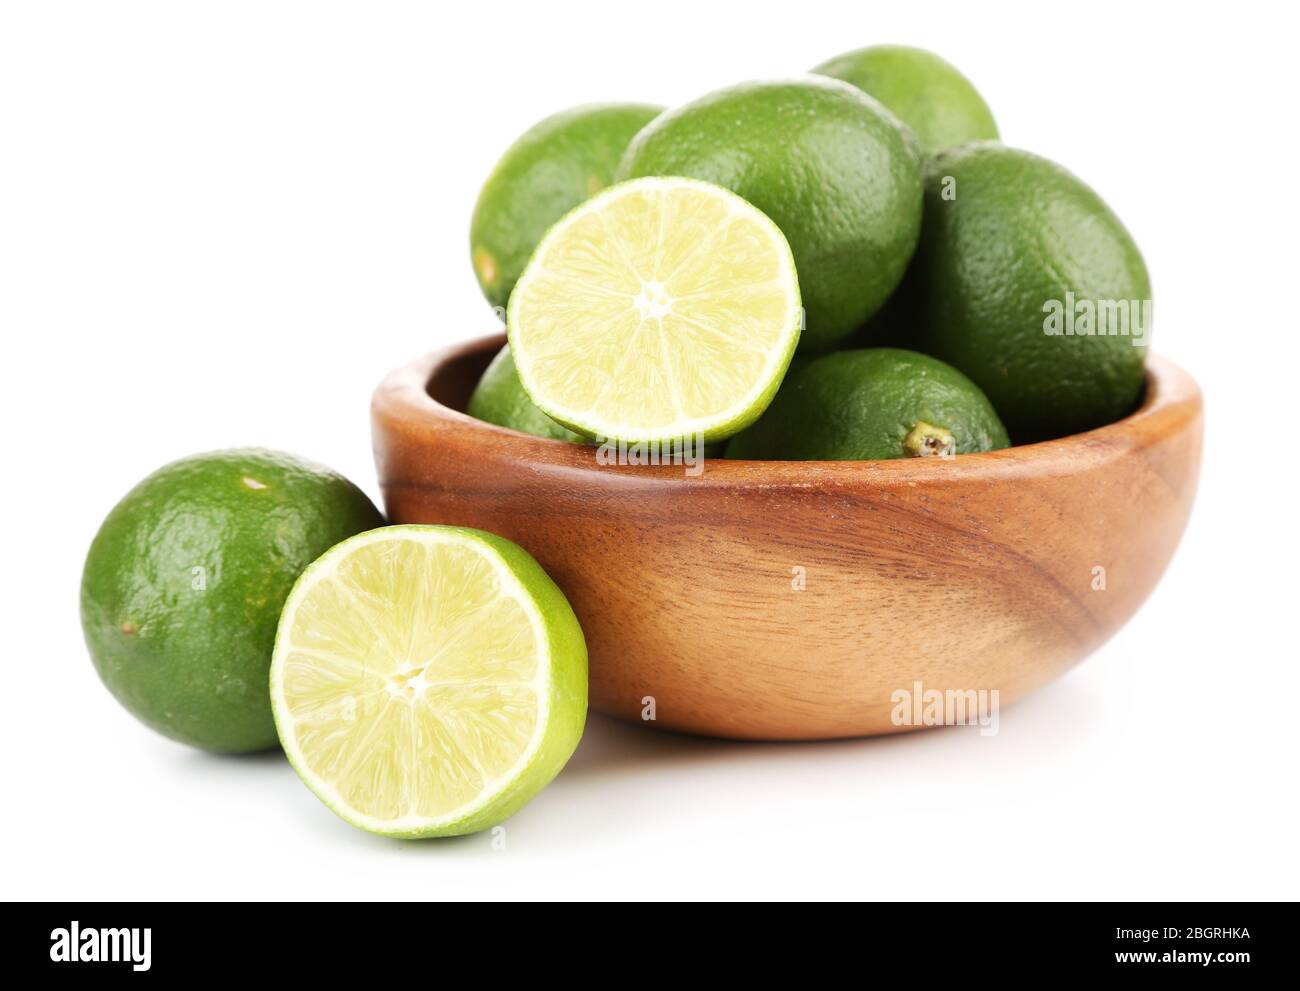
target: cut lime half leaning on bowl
<point>659,310</point>
<point>427,680</point>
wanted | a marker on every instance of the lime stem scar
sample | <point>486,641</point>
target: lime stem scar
<point>928,441</point>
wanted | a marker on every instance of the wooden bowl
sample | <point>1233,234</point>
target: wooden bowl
<point>792,600</point>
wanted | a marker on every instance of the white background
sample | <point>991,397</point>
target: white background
<point>221,224</point>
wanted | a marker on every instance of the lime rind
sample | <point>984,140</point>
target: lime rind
<point>560,683</point>
<point>737,414</point>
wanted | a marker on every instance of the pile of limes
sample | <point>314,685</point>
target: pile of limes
<point>841,266</point>
<point>659,308</point>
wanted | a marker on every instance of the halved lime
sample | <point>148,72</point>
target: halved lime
<point>660,309</point>
<point>428,680</point>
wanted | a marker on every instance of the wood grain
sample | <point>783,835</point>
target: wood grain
<point>970,573</point>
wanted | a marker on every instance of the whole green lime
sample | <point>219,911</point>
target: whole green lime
<point>553,166</point>
<point>1027,282</point>
<point>874,404</point>
<point>183,586</point>
<point>836,172</point>
<point>500,398</point>
<point>927,93</point>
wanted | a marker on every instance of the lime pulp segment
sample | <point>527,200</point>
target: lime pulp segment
<point>662,308</point>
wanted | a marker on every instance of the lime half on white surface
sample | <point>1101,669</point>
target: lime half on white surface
<point>428,680</point>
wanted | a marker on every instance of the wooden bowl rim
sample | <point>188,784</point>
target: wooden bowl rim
<point>1171,401</point>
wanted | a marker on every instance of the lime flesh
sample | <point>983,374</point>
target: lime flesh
<point>661,309</point>
<point>428,680</point>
